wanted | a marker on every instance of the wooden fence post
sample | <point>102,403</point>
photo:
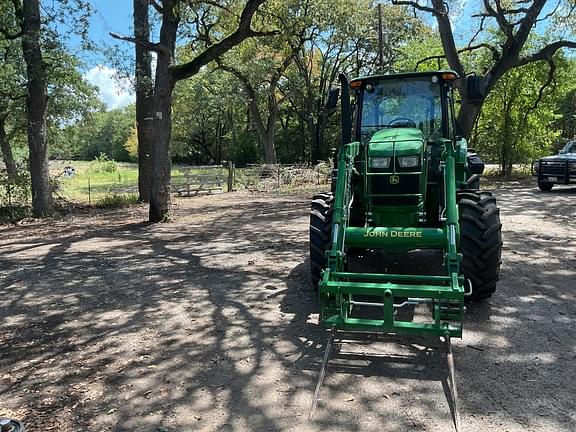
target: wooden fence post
<point>230,183</point>
<point>279,173</point>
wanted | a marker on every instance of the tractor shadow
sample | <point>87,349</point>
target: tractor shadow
<point>384,359</point>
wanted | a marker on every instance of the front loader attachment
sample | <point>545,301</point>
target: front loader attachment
<point>341,291</point>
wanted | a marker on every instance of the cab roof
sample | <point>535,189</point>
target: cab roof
<point>393,76</point>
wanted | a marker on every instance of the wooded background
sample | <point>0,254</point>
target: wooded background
<point>246,81</point>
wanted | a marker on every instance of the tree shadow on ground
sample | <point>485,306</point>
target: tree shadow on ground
<point>208,323</point>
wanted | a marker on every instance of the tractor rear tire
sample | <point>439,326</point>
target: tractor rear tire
<point>480,241</point>
<point>320,234</point>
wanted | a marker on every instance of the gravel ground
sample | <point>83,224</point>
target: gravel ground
<point>208,324</point>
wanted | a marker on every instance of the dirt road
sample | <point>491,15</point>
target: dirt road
<point>208,324</point>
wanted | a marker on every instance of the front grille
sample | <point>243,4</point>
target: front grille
<point>553,168</point>
<point>395,201</point>
<point>408,185</point>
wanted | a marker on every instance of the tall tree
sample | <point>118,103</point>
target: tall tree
<point>514,22</point>
<point>265,115</point>
<point>21,19</point>
<point>168,72</point>
<point>36,105</point>
<point>144,97</point>
<point>516,124</point>
<point>12,96</point>
<point>343,41</point>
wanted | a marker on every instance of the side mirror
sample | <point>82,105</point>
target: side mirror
<point>475,88</point>
<point>332,101</point>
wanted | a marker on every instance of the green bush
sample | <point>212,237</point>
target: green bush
<point>102,164</point>
<point>14,191</point>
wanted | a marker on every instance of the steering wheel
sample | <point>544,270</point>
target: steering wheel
<point>402,122</point>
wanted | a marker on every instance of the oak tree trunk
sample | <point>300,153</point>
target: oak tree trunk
<point>467,116</point>
<point>163,87</point>
<point>36,104</point>
<point>144,98</point>
<point>269,146</point>
<point>7,151</point>
<point>265,131</point>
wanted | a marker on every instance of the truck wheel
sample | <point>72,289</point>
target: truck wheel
<point>320,234</point>
<point>545,186</point>
<point>480,241</point>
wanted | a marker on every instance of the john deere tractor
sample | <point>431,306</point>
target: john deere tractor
<point>404,180</point>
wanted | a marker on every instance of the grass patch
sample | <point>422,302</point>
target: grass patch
<point>95,181</point>
<point>113,200</point>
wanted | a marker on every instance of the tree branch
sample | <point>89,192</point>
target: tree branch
<point>495,53</point>
<point>447,36</point>
<point>545,53</point>
<point>544,86</point>
<point>480,28</point>
<point>527,23</point>
<point>435,57</point>
<point>548,82</point>
<point>11,36</point>
<point>552,12</point>
<point>415,5</point>
<point>150,46</point>
<point>157,6</point>
<point>243,31</point>
<point>500,19</point>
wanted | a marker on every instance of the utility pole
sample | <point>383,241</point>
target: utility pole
<point>383,43</point>
<point>380,38</point>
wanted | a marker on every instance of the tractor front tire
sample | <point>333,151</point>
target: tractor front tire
<point>480,241</point>
<point>320,234</point>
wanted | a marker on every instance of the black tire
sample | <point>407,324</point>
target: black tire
<point>480,241</point>
<point>13,426</point>
<point>545,186</point>
<point>320,234</point>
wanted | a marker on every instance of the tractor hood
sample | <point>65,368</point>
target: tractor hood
<point>396,141</point>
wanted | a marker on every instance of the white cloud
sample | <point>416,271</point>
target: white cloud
<point>115,92</point>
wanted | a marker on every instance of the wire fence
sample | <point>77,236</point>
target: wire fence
<point>262,178</point>
<point>97,188</point>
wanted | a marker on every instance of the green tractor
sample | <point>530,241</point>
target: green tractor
<point>403,181</point>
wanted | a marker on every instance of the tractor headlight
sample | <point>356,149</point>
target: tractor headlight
<point>379,162</point>
<point>573,166</point>
<point>409,161</point>
<point>536,166</point>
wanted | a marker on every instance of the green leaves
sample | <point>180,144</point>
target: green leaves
<point>520,120</point>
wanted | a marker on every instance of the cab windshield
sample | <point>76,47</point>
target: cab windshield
<point>405,102</point>
<point>570,147</point>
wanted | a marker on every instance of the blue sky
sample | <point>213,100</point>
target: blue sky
<point>109,16</point>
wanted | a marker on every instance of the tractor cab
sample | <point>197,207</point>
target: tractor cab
<point>400,120</point>
<point>421,100</point>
